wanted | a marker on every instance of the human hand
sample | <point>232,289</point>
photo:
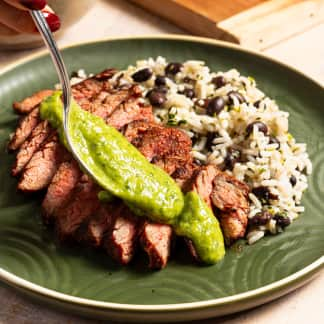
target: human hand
<point>15,18</point>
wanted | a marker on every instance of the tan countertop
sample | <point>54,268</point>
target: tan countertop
<point>120,18</point>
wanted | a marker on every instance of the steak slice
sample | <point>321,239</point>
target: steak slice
<point>60,189</point>
<point>105,103</point>
<point>24,129</point>
<point>28,104</point>
<point>88,89</point>
<point>130,111</point>
<point>98,226</point>
<point>202,182</point>
<point>234,224</point>
<point>230,196</point>
<point>121,240</point>
<point>229,193</point>
<point>83,203</point>
<point>156,240</point>
<point>135,129</point>
<point>166,147</point>
<point>30,146</point>
<point>40,170</point>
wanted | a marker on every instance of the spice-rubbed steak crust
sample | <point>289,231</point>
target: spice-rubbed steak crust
<point>230,196</point>
<point>60,189</point>
<point>26,106</point>
<point>82,204</point>
<point>202,182</point>
<point>156,241</point>
<point>41,168</point>
<point>104,104</point>
<point>24,129</point>
<point>94,231</point>
<point>121,239</point>
<point>30,146</point>
<point>166,147</point>
<point>85,91</point>
<point>129,111</point>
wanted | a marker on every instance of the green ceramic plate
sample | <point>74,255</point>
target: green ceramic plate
<point>87,281</point>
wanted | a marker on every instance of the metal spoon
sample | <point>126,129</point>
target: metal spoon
<point>57,59</point>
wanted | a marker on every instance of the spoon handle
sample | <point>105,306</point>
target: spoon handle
<point>57,59</point>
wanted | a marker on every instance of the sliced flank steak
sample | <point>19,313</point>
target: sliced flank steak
<point>72,200</point>
<point>166,147</point>
<point>82,204</point>
<point>104,104</point>
<point>230,196</point>
<point>30,146</point>
<point>129,111</point>
<point>94,231</point>
<point>26,106</point>
<point>156,241</point>
<point>60,189</point>
<point>121,239</point>
<point>24,129</point>
<point>202,182</point>
<point>41,168</point>
<point>85,91</point>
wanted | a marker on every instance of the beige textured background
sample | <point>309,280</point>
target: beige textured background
<point>120,18</point>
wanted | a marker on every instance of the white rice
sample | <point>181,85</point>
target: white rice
<point>264,164</point>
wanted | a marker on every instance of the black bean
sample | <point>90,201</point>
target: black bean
<point>264,194</point>
<point>281,220</point>
<point>293,180</point>
<point>274,140</point>
<point>219,81</point>
<point>142,75</point>
<point>234,94</point>
<point>74,74</point>
<point>203,103</point>
<point>233,156</point>
<point>262,127</point>
<point>215,106</point>
<point>261,218</point>
<point>160,80</point>
<point>210,137</point>
<point>156,98</point>
<point>189,80</point>
<point>190,93</point>
<point>257,104</point>
<point>162,89</point>
<point>173,68</point>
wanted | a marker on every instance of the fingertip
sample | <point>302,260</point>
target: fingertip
<point>34,4</point>
<point>53,20</point>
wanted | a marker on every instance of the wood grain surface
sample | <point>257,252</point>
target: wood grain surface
<point>252,23</point>
<point>216,10</point>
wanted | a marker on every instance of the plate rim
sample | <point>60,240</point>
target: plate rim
<point>263,291</point>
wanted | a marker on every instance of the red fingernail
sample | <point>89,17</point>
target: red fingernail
<point>34,4</point>
<point>53,20</point>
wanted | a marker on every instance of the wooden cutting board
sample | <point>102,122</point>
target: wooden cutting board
<point>253,23</point>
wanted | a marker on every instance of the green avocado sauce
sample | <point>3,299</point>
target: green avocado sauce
<point>198,223</point>
<point>122,171</point>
